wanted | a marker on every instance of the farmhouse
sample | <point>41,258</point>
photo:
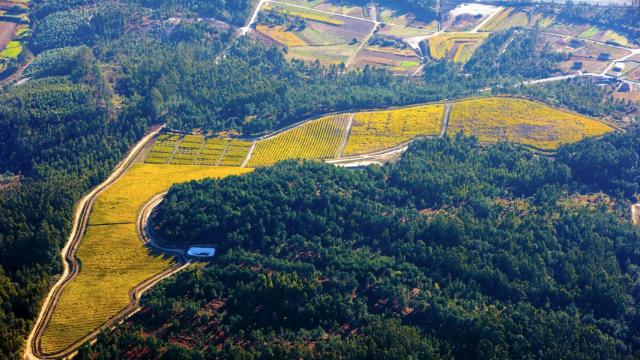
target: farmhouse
<point>201,251</point>
<point>604,56</point>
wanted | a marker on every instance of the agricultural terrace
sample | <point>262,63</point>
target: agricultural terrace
<point>305,13</point>
<point>317,139</point>
<point>177,149</point>
<point>280,34</point>
<point>187,150</point>
<point>113,258</point>
<point>329,38</point>
<point>379,130</point>
<point>455,46</point>
<point>162,149</point>
<point>528,17</point>
<point>404,19</point>
<point>521,121</point>
<point>590,32</point>
<point>14,27</point>
<point>342,8</point>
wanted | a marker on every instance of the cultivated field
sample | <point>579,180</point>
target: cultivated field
<point>317,139</point>
<point>399,61</point>
<point>329,38</point>
<point>589,32</point>
<point>378,130</point>
<point>332,7</point>
<point>406,19</point>
<point>113,259</point>
<point>585,56</point>
<point>521,121</point>
<point>305,13</point>
<point>455,46</point>
<point>528,17</point>
<point>197,150</point>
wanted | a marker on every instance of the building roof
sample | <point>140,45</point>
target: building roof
<point>201,251</point>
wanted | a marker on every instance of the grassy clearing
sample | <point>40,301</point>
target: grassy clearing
<point>113,258</point>
<point>317,139</point>
<point>378,130</point>
<point>521,121</point>
<point>589,33</point>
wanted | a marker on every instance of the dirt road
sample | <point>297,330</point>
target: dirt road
<point>69,262</point>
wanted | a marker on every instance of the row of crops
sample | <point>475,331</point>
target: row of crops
<point>317,139</point>
<point>457,46</point>
<point>304,13</point>
<point>178,149</point>
<point>490,119</point>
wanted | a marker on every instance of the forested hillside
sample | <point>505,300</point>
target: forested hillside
<point>104,72</point>
<point>456,251</point>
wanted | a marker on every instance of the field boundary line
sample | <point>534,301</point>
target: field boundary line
<point>347,134</point>
<point>349,16</point>
<point>364,42</point>
<point>245,162</point>
<point>195,159</point>
<point>67,253</point>
<point>444,125</point>
<point>175,150</point>
<point>485,21</point>
<point>224,152</point>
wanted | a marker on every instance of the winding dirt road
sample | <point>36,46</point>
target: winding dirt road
<point>69,261</point>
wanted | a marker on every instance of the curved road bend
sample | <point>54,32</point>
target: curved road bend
<point>69,262</point>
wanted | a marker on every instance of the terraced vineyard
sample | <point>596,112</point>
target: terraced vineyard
<point>378,130</point>
<point>162,149</point>
<point>521,121</point>
<point>113,259</point>
<point>446,45</point>
<point>304,13</point>
<point>197,150</point>
<point>317,139</point>
<point>187,150</point>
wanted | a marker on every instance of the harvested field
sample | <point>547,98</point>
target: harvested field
<point>304,13</point>
<point>113,259</point>
<point>521,121</point>
<point>606,36</point>
<point>378,130</point>
<point>586,52</point>
<point>279,34</point>
<point>563,28</point>
<point>332,54</point>
<point>330,43</point>
<point>402,32</point>
<point>333,7</point>
<point>7,29</point>
<point>400,62</point>
<point>390,16</point>
<point>317,139</point>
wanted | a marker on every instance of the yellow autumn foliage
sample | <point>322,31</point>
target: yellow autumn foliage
<point>113,258</point>
<point>317,139</point>
<point>378,130</point>
<point>521,121</point>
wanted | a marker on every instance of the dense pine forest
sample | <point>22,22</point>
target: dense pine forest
<point>456,251</point>
<point>104,73</point>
